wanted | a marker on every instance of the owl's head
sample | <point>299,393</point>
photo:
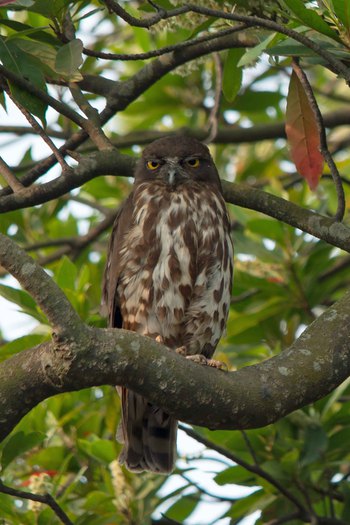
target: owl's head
<point>175,160</point>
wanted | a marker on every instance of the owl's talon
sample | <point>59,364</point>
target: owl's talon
<point>160,339</point>
<point>217,364</point>
<point>202,360</point>
<point>197,358</point>
<point>181,350</point>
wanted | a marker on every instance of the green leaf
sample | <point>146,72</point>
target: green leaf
<point>342,10</point>
<point>310,18</point>
<point>69,58</point>
<point>104,450</point>
<point>235,475</point>
<point>22,299</point>
<point>44,52</point>
<point>256,101</point>
<point>26,67</point>
<point>98,500</point>
<point>315,444</point>
<point>254,53</point>
<point>100,449</point>
<point>18,444</point>
<point>182,508</point>
<point>50,9</point>
<point>66,274</point>
<point>232,75</point>
<point>22,343</point>
<point>49,458</point>
<point>246,506</point>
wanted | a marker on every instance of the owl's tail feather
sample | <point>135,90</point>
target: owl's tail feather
<point>148,434</point>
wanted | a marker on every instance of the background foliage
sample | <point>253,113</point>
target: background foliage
<point>297,469</point>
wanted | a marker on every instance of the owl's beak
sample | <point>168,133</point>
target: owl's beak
<point>171,177</point>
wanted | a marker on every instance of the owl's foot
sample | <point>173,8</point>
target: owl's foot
<point>181,350</point>
<point>160,339</point>
<point>201,359</point>
<point>217,364</point>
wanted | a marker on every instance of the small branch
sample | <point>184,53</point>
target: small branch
<point>39,130</point>
<point>308,221</point>
<point>323,139</point>
<point>10,178</point>
<point>60,107</point>
<point>255,469</point>
<point>167,49</point>
<point>334,64</point>
<point>28,130</point>
<point>284,519</point>
<point>92,125</point>
<point>148,22</point>
<point>46,499</point>
<point>213,121</point>
<point>205,491</point>
<point>41,287</point>
<point>249,447</point>
<point>70,246</point>
<point>251,21</point>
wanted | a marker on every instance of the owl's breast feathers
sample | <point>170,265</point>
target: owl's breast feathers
<point>175,265</point>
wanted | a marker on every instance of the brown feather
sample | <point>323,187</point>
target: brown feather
<point>168,275</point>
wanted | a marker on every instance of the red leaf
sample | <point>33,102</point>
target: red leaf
<point>302,134</point>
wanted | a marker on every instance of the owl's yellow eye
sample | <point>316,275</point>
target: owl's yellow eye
<point>194,163</point>
<point>153,164</point>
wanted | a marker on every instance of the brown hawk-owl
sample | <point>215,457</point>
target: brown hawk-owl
<point>168,276</point>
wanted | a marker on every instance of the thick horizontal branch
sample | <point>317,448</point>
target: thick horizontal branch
<point>251,397</point>
<point>81,356</point>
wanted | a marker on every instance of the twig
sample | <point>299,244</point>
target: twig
<point>92,125</point>
<point>255,469</point>
<point>249,446</point>
<point>10,178</point>
<point>72,245</point>
<point>162,14</point>
<point>46,499</point>
<point>323,139</point>
<point>207,492</point>
<point>167,49</point>
<point>284,519</point>
<point>28,130</point>
<point>60,107</point>
<point>41,287</point>
<point>252,21</point>
<point>39,130</point>
<point>213,121</point>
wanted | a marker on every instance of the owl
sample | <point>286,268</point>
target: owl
<point>169,277</point>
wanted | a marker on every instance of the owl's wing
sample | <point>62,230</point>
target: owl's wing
<point>110,299</point>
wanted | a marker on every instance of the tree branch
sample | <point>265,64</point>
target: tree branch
<point>46,499</point>
<point>255,468</point>
<point>41,287</point>
<point>82,356</point>
<point>112,162</point>
<point>320,226</point>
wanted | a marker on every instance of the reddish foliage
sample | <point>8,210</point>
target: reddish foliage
<point>302,134</point>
